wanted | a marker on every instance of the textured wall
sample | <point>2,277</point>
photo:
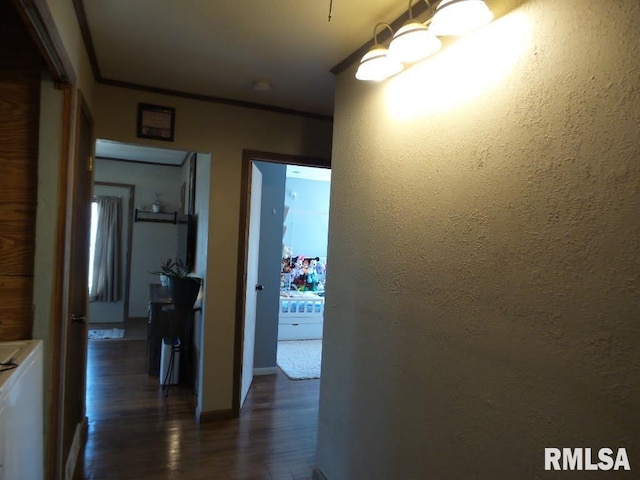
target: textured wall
<point>483,299</point>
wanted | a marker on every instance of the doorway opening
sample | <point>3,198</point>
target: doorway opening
<point>159,196</point>
<point>303,272</point>
<point>288,274</point>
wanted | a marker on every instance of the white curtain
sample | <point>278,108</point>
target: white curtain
<point>106,284</point>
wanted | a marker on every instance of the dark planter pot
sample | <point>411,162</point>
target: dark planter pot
<point>184,291</point>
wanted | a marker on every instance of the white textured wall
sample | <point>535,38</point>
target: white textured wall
<point>483,298</point>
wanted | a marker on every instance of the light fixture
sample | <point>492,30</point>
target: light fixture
<point>376,64</point>
<point>457,17</point>
<point>413,41</point>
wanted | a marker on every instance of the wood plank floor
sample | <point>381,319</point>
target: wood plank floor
<point>137,433</point>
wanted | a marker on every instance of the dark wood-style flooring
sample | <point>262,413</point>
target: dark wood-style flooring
<point>137,433</point>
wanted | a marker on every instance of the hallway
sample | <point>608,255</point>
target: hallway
<point>137,433</point>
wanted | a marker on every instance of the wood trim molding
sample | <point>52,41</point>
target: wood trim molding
<point>213,99</point>
<point>216,416</point>
<point>57,303</point>
<point>243,235</point>
<point>265,371</point>
<point>81,16</point>
<point>37,17</point>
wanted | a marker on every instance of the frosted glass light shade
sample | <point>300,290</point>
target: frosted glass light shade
<point>376,65</point>
<point>413,42</point>
<point>457,17</point>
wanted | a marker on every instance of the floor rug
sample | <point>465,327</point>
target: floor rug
<point>105,334</point>
<point>300,359</point>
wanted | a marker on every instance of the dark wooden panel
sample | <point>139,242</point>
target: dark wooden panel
<point>15,308</point>
<point>16,246</point>
<point>20,67</point>
<point>18,175</point>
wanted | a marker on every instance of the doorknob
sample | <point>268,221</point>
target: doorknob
<point>259,288</point>
<point>78,319</point>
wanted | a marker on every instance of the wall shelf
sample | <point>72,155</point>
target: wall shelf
<point>156,217</point>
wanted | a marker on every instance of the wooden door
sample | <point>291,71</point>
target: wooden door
<point>74,342</point>
<point>252,286</point>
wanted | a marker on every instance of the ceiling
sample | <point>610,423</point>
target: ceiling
<point>219,49</point>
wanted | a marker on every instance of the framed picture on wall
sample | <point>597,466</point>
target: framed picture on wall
<point>155,121</point>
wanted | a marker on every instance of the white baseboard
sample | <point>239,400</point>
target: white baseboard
<point>265,371</point>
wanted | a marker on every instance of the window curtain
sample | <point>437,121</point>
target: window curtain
<point>107,262</point>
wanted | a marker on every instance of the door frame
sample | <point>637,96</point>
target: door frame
<point>248,156</point>
<point>38,19</point>
<point>69,460</point>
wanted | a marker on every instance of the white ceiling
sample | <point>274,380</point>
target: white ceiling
<point>220,48</point>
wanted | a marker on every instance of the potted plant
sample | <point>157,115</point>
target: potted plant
<point>183,288</point>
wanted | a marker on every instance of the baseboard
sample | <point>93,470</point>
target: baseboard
<point>265,371</point>
<point>215,416</point>
<point>317,474</point>
<point>77,445</point>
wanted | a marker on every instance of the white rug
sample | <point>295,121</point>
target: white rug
<point>300,359</point>
<point>108,333</point>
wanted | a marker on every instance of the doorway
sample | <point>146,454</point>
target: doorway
<point>158,189</point>
<point>303,271</point>
<point>268,298</point>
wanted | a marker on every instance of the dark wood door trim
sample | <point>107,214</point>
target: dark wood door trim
<point>73,372</point>
<point>57,300</point>
<point>243,237</point>
<point>38,19</point>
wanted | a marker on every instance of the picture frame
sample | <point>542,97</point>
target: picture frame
<point>156,122</point>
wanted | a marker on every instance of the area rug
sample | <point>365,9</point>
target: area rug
<point>106,334</point>
<point>300,359</point>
